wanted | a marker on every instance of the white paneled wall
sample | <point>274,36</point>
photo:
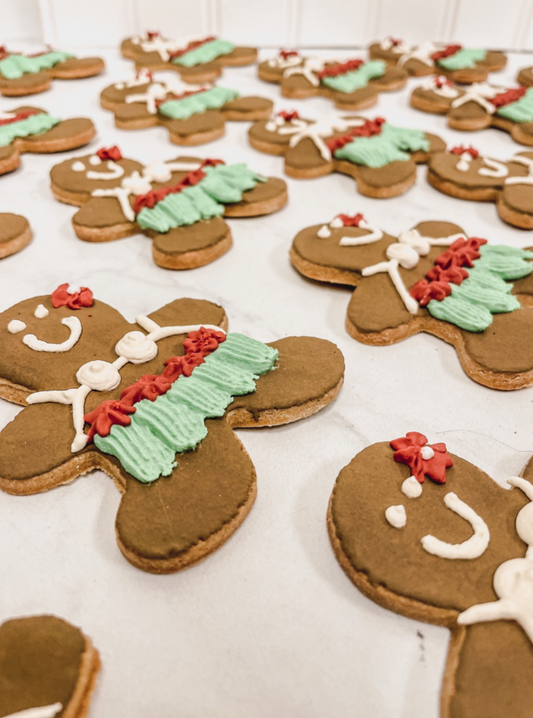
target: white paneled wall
<point>276,23</point>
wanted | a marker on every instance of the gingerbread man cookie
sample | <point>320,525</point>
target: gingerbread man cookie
<point>195,59</point>
<point>153,404</point>
<point>432,278</point>
<point>380,157</point>
<point>192,114</point>
<point>525,77</point>
<point>30,129</point>
<point>179,204</point>
<point>352,85</point>
<point>462,172</point>
<point>15,233</point>
<point>480,106</point>
<point>430,536</point>
<point>48,669</point>
<point>458,63</point>
<point>30,74</point>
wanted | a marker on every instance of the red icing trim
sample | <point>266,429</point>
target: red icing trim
<point>192,46</point>
<point>505,98</point>
<point>350,220</point>
<point>340,69</point>
<point>462,253</point>
<point>109,153</point>
<point>461,149</point>
<point>19,116</point>
<point>284,54</point>
<point>197,346</point>
<point>150,199</point>
<point>449,50</point>
<point>289,116</point>
<point>408,450</point>
<point>371,127</point>
<point>62,298</point>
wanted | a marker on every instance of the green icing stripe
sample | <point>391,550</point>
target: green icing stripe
<point>211,99</point>
<point>223,184</point>
<point>33,125</point>
<point>519,111</point>
<point>205,53</point>
<point>174,422</point>
<point>351,81</point>
<point>14,66</point>
<point>485,292</point>
<point>391,145</point>
<point>465,58</point>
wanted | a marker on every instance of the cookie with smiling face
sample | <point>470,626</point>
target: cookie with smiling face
<point>15,233</point>
<point>478,107</point>
<point>30,129</point>
<point>463,173</point>
<point>192,114</point>
<point>433,278</point>
<point>380,157</point>
<point>154,405</point>
<point>179,204</point>
<point>430,536</point>
<point>48,669</point>
<point>351,85</point>
<point>196,60</point>
<point>460,64</point>
<point>30,74</point>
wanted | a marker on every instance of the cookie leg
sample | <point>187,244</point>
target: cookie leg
<point>192,246</point>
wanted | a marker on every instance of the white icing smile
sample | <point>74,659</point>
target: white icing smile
<point>39,345</point>
<point>473,547</point>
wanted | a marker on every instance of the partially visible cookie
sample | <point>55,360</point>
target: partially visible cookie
<point>525,77</point>
<point>48,669</point>
<point>15,233</point>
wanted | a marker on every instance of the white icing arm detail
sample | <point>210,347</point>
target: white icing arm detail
<point>528,179</point>
<point>473,547</point>
<point>308,70</point>
<point>39,712</point>
<point>115,172</point>
<point>120,193</point>
<point>391,267</point>
<point>38,345</point>
<point>155,92</point>
<point>479,92</point>
<point>157,332</point>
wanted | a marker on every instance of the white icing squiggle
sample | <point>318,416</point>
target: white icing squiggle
<point>374,235</point>
<point>396,516</point>
<point>480,93</point>
<point>422,53</point>
<point>282,63</point>
<point>439,85</point>
<point>156,91</point>
<point>317,131</point>
<point>308,69</point>
<point>38,345</point>
<point>473,547</point>
<point>39,712</point>
<point>141,78</point>
<point>528,179</point>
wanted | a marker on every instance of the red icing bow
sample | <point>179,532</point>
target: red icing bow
<point>394,41</point>
<point>350,220</point>
<point>192,46</point>
<point>150,199</point>
<point>105,415</point>
<point>3,52</point>
<point>109,153</point>
<point>152,34</point>
<point>462,253</point>
<point>340,68</point>
<point>369,128</point>
<point>19,116</point>
<point>449,50</point>
<point>285,54</point>
<point>505,98</point>
<point>460,150</point>
<point>424,291</point>
<point>203,341</point>
<point>411,450</point>
<point>441,81</point>
<point>289,116</point>
<point>61,297</point>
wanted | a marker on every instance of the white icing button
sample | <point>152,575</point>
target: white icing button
<point>136,347</point>
<point>98,375</point>
<point>41,312</point>
<point>78,166</point>
<point>396,516</point>
<point>15,326</point>
<point>412,488</point>
<point>95,160</point>
<point>427,453</point>
<point>323,232</point>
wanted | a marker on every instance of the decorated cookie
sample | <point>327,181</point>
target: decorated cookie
<point>462,172</point>
<point>460,64</point>
<point>380,157</point>
<point>479,106</point>
<point>30,74</point>
<point>30,129</point>
<point>153,404</point>
<point>428,535</point>
<point>48,669</point>
<point>525,77</point>
<point>435,279</point>
<point>179,204</point>
<point>192,114</point>
<point>352,85</point>
<point>15,233</point>
<point>196,60</point>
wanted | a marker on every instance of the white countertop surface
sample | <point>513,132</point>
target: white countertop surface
<point>269,625</point>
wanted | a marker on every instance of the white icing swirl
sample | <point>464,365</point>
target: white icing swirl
<point>98,375</point>
<point>136,347</point>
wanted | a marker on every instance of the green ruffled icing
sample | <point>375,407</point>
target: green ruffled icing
<point>391,145</point>
<point>485,292</point>
<point>354,80</point>
<point>205,53</point>
<point>195,104</point>
<point>14,66</point>
<point>519,111</point>
<point>463,59</point>
<point>223,184</point>
<point>33,125</point>
<point>174,422</point>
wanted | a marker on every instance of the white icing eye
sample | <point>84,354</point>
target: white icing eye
<point>136,347</point>
<point>41,312</point>
<point>412,488</point>
<point>95,160</point>
<point>323,232</point>
<point>15,326</point>
<point>406,256</point>
<point>396,516</point>
<point>78,166</point>
<point>336,223</point>
<point>426,452</point>
<point>98,375</point>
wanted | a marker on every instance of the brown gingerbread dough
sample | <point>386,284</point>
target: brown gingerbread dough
<point>15,233</point>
